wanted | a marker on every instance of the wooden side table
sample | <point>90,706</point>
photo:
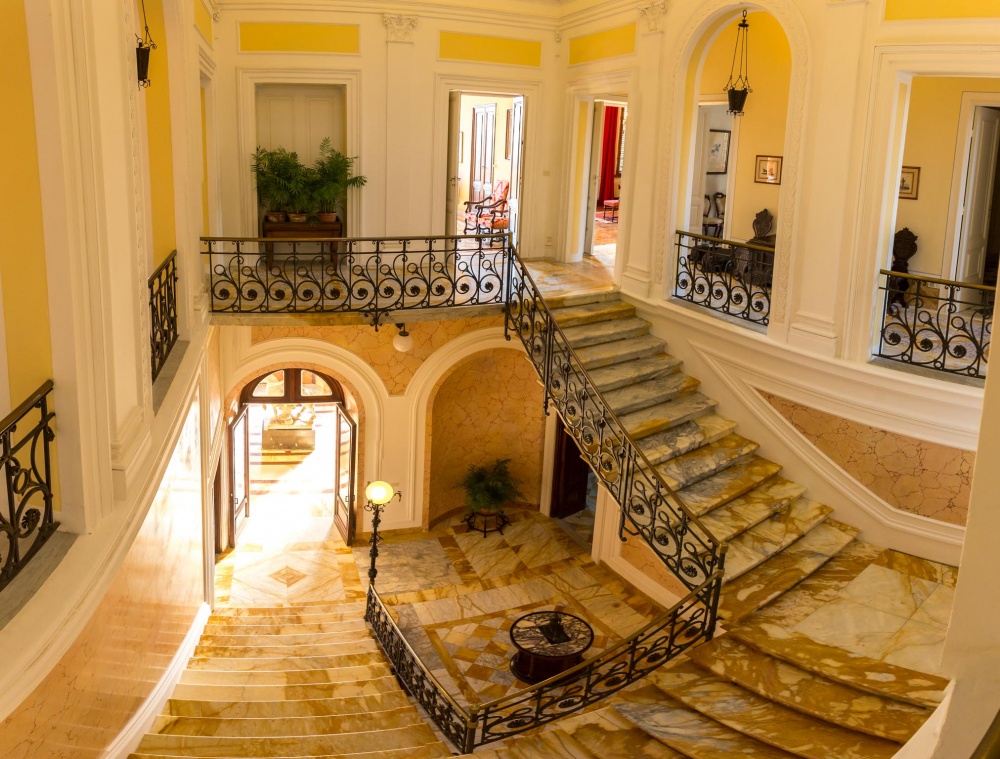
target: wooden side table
<point>287,230</point>
<point>548,643</point>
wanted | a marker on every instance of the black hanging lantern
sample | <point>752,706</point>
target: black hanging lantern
<point>738,86</point>
<point>142,49</point>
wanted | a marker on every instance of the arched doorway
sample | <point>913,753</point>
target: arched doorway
<point>292,435</point>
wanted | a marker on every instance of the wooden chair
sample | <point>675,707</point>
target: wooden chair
<point>711,226</point>
<point>483,215</point>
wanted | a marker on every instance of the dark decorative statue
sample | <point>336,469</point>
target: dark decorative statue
<point>904,247</point>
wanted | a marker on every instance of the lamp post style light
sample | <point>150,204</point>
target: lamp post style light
<point>738,86</point>
<point>378,494</point>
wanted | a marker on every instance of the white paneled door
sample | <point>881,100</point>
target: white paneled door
<point>298,117</point>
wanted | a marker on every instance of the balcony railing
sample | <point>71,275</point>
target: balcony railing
<point>25,435</point>
<point>936,324</point>
<point>733,278</point>
<point>370,276</point>
<point>162,312</point>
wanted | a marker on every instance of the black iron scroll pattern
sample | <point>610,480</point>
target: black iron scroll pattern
<point>162,312</point>
<point>650,509</point>
<point>948,332</point>
<point>370,276</point>
<point>24,454</point>
<point>727,277</point>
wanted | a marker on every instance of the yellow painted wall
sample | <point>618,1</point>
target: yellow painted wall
<point>205,221</point>
<point>609,43</point>
<point>762,126</point>
<point>203,20</point>
<point>900,10</point>
<point>300,38</point>
<point>579,164</point>
<point>931,143</point>
<point>22,254</point>
<point>159,137</point>
<point>501,165</point>
<point>483,49</point>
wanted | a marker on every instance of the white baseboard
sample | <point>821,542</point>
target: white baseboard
<point>130,736</point>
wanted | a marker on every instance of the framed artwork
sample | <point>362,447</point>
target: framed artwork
<point>909,182</point>
<point>507,145</point>
<point>718,151</point>
<point>768,169</point>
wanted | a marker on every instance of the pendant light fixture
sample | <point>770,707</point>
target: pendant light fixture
<point>738,86</point>
<point>142,49</point>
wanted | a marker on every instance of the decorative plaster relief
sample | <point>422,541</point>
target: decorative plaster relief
<point>398,27</point>
<point>396,369</point>
<point>912,475</point>
<point>653,15</point>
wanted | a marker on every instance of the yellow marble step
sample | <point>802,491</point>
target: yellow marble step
<point>618,351</point>
<point>869,675</point>
<point>367,654</point>
<point>248,727</point>
<point>574,316</point>
<point>353,609</point>
<point>739,479</point>
<point>567,299</point>
<point>748,510</point>
<point>242,691</point>
<point>764,720</point>
<point>820,697</point>
<point>283,652</point>
<point>705,461</point>
<point>587,335</point>
<point>689,732</point>
<point>277,625</point>
<point>650,392</point>
<point>317,707</point>
<point>411,736</point>
<point>663,416</point>
<point>427,751</point>
<point>276,639</point>
<point>678,440</point>
<point>533,747</point>
<point>785,570</point>
<point>610,378</point>
<point>326,640</point>
<point>622,743</point>
<point>296,677</point>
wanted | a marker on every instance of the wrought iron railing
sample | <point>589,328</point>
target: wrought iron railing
<point>948,331</point>
<point>24,454</point>
<point>684,625</point>
<point>371,276</point>
<point>732,278</point>
<point>162,312</point>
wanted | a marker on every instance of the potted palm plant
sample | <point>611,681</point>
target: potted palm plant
<point>335,175</point>
<point>302,201</point>
<point>489,487</point>
<point>274,173</point>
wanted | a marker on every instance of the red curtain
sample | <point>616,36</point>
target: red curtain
<point>609,153</point>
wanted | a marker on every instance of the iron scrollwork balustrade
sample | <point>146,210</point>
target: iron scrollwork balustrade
<point>370,276</point>
<point>650,508</point>
<point>689,622</point>
<point>729,277</point>
<point>948,332</point>
<point>24,454</point>
<point>162,312</point>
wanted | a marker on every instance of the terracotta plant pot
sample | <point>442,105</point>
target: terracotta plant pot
<point>275,216</point>
<point>298,218</point>
<point>327,218</point>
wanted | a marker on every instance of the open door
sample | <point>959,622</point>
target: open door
<point>979,194</point>
<point>454,159</point>
<point>484,125</point>
<point>343,509</point>
<point>596,141</point>
<point>569,478</point>
<point>239,441</point>
<point>516,169</point>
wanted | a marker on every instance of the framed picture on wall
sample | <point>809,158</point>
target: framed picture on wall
<point>718,151</point>
<point>768,169</point>
<point>909,182</point>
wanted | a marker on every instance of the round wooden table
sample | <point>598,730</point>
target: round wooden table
<point>548,643</point>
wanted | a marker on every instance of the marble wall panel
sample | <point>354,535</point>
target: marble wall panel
<point>396,369</point>
<point>912,475</point>
<point>102,680</point>
<point>489,407</point>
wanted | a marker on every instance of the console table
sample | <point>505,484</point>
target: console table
<point>548,643</point>
<point>287,230</point>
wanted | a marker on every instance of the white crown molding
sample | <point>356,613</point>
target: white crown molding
<point>128,739</point>
<point>399,28</point>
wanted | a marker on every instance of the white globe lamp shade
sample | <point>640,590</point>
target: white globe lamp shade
<point>403,342</point>
<point>379,492</point>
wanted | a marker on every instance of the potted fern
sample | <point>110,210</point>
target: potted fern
<point>334,176</point>
<point>275,172</point>
<point>302,201</point>
<point>489,487</point>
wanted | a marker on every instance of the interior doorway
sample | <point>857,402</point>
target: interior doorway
<point>574,488</point>
<point>607,163</point>
<point>715,152</point>
<point>485,150</point>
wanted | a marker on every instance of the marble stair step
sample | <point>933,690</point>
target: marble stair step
<point>319,707</point>
<point>580,299</point>
<point>730,658</point>
<point>429,751</point>
<point>612,377</point>
<point>411,736</point>
<point>588,335</point>
<point>854,670</point>
<point>274,639</point>
<point>663,416</point>
<point>733,482</point>
<point>256,727</point>
<point>678,440</point>
<point>284,626</point>
<point>349,609</point>
<point>768,722</point>
<point>689,732</point>
<point>534,747</point>
<point>703,462</point>
<point>616,352</point>
<point>755,546</point>
<point>622,743</point>
<point>783,571</point>
<point>559,740</point>
<point>649,393</point>
<point>746,511</point>
<point>364,657</point>
<point>210,691</point>
<point>288,677</point>
<point>588,313</point>
<point>332,646</point>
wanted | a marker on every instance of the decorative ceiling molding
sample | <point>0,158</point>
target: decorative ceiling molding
<point>398,27</point>
<point>653,15</point>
